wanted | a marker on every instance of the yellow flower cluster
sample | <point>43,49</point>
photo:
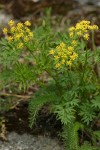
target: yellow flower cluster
<point>11,23</point>
<point>82,29</point>
<point>64,55</point>
<point>5,30</point>
<point>18,33</point>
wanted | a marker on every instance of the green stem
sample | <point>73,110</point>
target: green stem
<point>93,43</point>
<point>93,49</point>
<point>67,70</point>
<point>84,68</point>
<point>55,78</point>
<point>69,77</point>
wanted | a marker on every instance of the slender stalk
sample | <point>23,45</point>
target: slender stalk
<point>84,68</point>
<point>67,71</point>
<point>69,77</point>
<point>93,49</point>
<point>93,43</point>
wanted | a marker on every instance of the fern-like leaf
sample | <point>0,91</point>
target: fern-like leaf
<point>65,113</point>
<point>40,98</point>
<point>87,146</point>
<point>87,112</point>
<point>8,54</point>
<point>70,135</point>
<point>96,102</point>
<point>24,75</point>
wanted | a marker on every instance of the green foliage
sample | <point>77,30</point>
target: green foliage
<point>41,97</point>
<point>5,105</point>
<point>24,75</point>
<point>9,55</point>
<point>72,90</point>
<point>87,112</point>
<point>96,135</point>
<point>64,113</point>
<point>96,102</point>
<point>70,135</point>
<point>87,146</point>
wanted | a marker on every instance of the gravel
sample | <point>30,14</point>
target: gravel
<point>29,142</point>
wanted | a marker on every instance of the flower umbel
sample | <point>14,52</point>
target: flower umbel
<point>63,55</point>
<point>82,29</point>
<point>19,33</point>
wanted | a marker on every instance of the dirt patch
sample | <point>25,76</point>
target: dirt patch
<point>17,120</point>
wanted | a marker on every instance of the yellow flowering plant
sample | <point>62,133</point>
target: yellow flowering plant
<point>73,86</point>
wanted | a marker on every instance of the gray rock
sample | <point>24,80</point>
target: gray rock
<point>4,17</point>
<point>29,142</point>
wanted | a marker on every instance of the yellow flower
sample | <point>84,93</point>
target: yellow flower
<point>74,56</point>
<point>51,52</point>
<point>58,65</point>
<point>86,36</point>
<point>63,61</point>
<point>69,63</point>
<point>71,34</point>
<point>26,39</point>
<point>90,27</point>
<point>10,38</point>
<point>13,29</point>
<point>70,48</point>
<point>85,22</point>
<point>95,27</point>
<point>64,56</point>
<point>30,34</point>
<point>21,34</point>
<point>18,29</point>
<point>11,23</point>
<point>59,53</point>
<point>62,45</point>
<point>5,30</point>
<point>27,23</point>
<point>20,45</point>
<point>17,37</point>
<point>83,25</point>
<point>69,53</point>
<point>28,31</point>
<point>71,29</point>
<point>79,33</point>
<point>74,43</point>
<point>19,25</point>
<point>58,47</point>
<point>78,26</point>
<point>56,57</point>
